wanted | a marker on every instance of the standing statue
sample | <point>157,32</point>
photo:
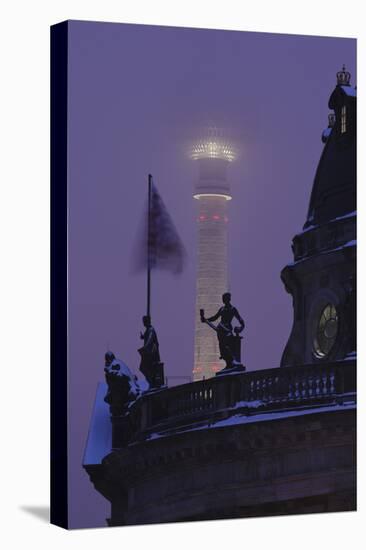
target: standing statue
<point>229,342</point>
<point>151,366</point>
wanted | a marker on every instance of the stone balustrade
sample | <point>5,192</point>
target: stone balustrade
<point>197,403</point>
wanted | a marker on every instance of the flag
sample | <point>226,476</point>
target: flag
<point>159,245</point>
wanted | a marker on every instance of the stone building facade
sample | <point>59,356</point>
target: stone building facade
<point>266,442</point>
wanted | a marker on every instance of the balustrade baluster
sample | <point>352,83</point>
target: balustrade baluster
<point>325,380</point>
<point>276,388</point>
<point>332,382</point>
<point>253,390</point>
<point>273,386</point>
<point>264,389</point>
<point>291,389</point>
<point>304,387</point>
<point>211,398</point>
<point>259,388</point>
<point>321,383</point>
<point>311,386</point>
<point>270,389</point>
<point>317,385</point>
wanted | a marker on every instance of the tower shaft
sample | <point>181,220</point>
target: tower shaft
<point>212,280</point>
<point>212,192</point>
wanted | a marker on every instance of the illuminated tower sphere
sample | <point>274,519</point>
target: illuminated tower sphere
<point>212,192</point>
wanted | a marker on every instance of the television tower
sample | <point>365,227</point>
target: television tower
<point>213,153</point>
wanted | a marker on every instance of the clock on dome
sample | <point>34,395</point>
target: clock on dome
<point>326,330</point>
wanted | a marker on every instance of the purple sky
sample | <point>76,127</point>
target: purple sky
<point>137,94</point>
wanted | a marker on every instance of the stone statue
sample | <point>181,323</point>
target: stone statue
<point>229,342</point>
<point>123,387</point>
<point>151,366</point>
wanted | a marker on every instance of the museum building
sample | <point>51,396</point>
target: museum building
<point>265,442</point>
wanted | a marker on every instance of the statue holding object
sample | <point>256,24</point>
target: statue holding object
<point>229,341</point>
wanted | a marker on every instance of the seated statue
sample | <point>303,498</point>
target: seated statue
<point>123,387</point>
<point>151,366</point>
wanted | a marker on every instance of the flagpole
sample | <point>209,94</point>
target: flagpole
<point>148,246</point>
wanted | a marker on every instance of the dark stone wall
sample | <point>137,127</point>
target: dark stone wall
<point>296,464</point>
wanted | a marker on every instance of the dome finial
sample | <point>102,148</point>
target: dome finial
<point>343,77</point>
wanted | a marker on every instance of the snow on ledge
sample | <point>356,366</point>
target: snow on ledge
<point>350,91</point>
<point>240,419</point>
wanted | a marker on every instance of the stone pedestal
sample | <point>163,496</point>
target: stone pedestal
<point>231,370</point>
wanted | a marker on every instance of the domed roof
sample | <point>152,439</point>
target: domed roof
<point>334,189</point>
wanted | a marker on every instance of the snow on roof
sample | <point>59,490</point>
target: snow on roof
<point>348,244</point>
<point>239,419</point>
<point>326,132</point>
<point>143,385</point>
<point>119,368</point>
<point>349,215</point>
<point>249,404</point>
<point>99,442</point>
<point>310,227</point>
<point>350,91</point>
<point>261,417</point>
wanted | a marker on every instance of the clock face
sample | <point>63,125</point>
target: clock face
<point>326,331</point>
